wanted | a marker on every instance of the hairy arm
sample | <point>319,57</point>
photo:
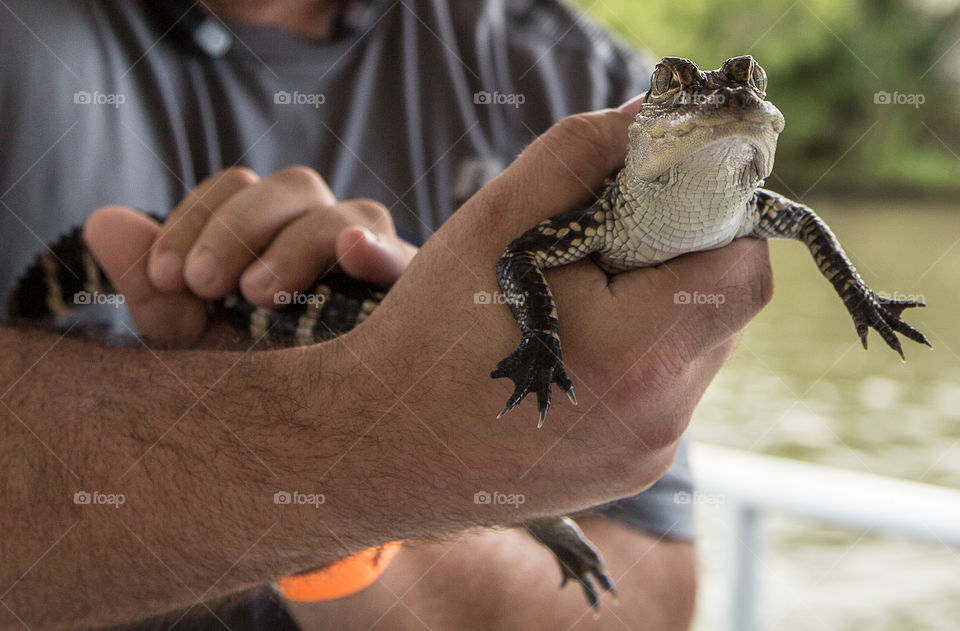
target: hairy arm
<point>393,422</point>
<point>196,443</point>
<point>502,579</point>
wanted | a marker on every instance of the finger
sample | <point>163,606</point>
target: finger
<point>185,223</point>
<point>690,382</point>
<point>377,259</point>
<point>119,238</point>
<point>632,106</point>
<point>302,251</point>
<point>246,223</point>
<point>307,248</point>
<point>706,297</point>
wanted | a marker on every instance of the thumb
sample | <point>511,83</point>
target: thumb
<point>375,259</point>
<point>120,240</point>
<point>562,169</point>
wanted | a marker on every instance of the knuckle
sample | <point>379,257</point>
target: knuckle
<point>372,211</point>
<point>496,204</point>
<point>238,176</point>
<point>666,454</point>
<point>657,393</point>
<point>644,385</point>
<point>584,132</point>
<point>302,178</point>
<point>672,391</point>
<point>665,435</point>
<point>625,474</point>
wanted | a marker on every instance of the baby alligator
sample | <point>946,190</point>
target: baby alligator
<point>699,150</point>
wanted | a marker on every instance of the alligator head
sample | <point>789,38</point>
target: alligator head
<point>712,127</point>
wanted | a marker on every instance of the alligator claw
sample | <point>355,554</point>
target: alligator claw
<point>533,366</point>
<point>577,557</point>
<point>883,315</point>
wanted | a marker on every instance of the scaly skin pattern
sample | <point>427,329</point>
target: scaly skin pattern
<point>50,289</point>
<point>700,147</point>
<point>773,216</point>
<point>60,279</point>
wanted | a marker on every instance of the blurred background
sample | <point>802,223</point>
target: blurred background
<point>870,90</point>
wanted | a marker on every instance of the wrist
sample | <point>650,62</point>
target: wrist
<point>344,482</point>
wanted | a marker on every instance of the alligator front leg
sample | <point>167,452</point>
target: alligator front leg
<point>577,557</point>
<point>776,217</point>
<point>537,362</point>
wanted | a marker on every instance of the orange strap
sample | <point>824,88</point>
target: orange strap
<point>343,578</point>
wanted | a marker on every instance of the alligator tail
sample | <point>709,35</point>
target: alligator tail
<point>61,279</point>
<point>66,277</point>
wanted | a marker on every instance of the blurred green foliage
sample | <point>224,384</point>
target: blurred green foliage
<point>826,62</point>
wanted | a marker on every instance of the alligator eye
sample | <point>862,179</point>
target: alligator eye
<point>758,78</point>
<point>662,80</point>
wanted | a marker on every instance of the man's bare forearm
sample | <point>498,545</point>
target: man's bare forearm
<point>395,454</point>
<point>137,481</point>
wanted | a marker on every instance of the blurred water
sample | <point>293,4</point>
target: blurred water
<point>800,386</point>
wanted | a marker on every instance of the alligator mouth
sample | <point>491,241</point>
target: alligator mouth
<point>663,136</point>
<point>742,126</point>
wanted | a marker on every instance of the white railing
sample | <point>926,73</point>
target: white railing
<point>753,484</point>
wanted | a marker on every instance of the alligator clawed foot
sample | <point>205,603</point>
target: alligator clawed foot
<point>533,366</point>
<point>577,557</point>
<point>883,315</point>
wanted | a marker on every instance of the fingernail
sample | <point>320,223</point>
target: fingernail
<point>375,244</point>
<point>166,268</point>
<point>202,268</point>
<point>259,276</point>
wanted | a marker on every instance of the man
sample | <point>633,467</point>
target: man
<point>416,105</point>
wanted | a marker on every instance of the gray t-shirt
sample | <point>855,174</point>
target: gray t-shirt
<point>414,103</point>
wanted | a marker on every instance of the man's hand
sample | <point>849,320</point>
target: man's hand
<point>264,235</point>
<point>640,360</point>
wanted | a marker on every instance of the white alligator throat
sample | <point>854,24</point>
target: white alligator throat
<point>700,203</point>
